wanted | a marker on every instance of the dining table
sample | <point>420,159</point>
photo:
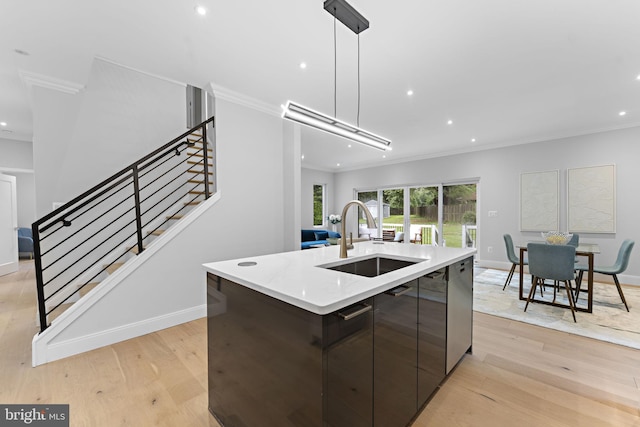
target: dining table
<point>587,250</point>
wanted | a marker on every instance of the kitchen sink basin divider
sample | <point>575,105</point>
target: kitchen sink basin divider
<point>85,239</point>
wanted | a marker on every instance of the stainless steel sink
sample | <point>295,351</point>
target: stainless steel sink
<point>371,267</point>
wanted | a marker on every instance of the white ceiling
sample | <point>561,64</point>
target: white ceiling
<point>505,71</point>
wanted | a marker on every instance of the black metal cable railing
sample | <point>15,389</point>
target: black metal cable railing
<point>85,239</point>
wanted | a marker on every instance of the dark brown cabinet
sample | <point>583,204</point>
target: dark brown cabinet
<point>395,354</point>
<point>432,332</point>
<point>265,359</point>
<point>349,365</point>
<point>374,363</point>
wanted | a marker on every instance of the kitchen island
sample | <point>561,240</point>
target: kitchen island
<point>308,339</point>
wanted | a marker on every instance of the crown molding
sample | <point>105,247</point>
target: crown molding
<point>48,82</point>
<point>15,170</point>
<point>223,93</point>
<point>137,70</point>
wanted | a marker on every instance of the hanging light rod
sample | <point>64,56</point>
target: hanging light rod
<point>357,23</point>
<point>307,116</point>
<point>346,14</point>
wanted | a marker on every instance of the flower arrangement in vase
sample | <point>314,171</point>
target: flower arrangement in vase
<point>334,220</point>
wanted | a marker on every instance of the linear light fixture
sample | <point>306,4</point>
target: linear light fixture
<point>346,14</point>
<point>352,19</point>
<point>307,116</point>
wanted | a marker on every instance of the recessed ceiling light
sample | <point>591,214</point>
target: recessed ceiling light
<point>302,157</point>
<point>349,146</point>
<point>449,122</point>
<point>384,156</point>
<point>337,164</point>
<point>622,113</point>
<point>638,77</point>
<point>303,65</point>
<point>200,10</point>
<point>3,124</point>
<point>409,92</point>
<point>473,140</point>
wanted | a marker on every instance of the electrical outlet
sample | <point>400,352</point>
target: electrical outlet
<point>490,249</point>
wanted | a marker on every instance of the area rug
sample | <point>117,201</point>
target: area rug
<point>609,321</point>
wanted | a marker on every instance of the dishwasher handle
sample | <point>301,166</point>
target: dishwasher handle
<point>438,274</point>
<point>348,316</point>
<point>399,291</point>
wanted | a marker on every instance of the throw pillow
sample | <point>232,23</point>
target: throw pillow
<point>321,235</point>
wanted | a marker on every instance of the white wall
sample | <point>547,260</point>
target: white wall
<point>169,287</point>
<point>291,217</point>
<point>16,154</point>
<point>499,173</point>
<point>82,139</point>
<point>16,159</point>
<point>245,221</point>
<point>309,178</point>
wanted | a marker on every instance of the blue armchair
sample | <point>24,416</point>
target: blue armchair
<point>25,241</point>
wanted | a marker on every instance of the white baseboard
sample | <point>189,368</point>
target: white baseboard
<point>8,268</point>
<point>44,352</point>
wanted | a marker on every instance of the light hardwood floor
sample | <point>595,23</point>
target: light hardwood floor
<point>519,375</point>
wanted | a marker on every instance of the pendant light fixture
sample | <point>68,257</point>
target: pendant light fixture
<point>345,13</point>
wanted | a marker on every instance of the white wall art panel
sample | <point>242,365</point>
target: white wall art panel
<point>539,201</point>
<point>591,193</point>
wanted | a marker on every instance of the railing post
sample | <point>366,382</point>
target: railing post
<point>42,308</point>
<point>464,236</point>
<point>206,161</point>
<point>136,195</point>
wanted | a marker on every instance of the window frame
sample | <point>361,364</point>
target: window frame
<point>323,202</point>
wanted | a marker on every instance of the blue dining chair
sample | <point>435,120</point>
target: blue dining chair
<point>512,257</point>
<point>622,261</point>
<point>553,262</point>
<point>574,241</point>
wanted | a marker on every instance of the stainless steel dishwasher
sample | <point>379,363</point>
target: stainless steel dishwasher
<point>459,311</point>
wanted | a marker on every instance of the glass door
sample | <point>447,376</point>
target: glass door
<point>440,215</point>
<point>423,218</point>
<point>392,214</point>
<point>370,199</point>
<point>459,215</point>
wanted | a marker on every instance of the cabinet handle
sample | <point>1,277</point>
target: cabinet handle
<point>349,316</point>
<point>400,290</point>
<point>436,275</point>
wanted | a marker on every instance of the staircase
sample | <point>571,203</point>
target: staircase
<point>87,240</point>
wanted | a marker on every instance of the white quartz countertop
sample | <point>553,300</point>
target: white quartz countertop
<point>295,278</point>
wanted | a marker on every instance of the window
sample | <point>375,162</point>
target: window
<point>429,215</point>
<point>319,207</point>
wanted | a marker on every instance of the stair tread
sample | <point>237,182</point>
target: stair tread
<point>175,217</point>
<point>192,152</point>
<point>197,181</point>
<point>195,202</point>
<point>58,311</point>
<point>199,162</point>
<point>86,288</point>
<point>156,232</point>
<point>200,172</point>
<point>135,249</point>
<point>113,267</point>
